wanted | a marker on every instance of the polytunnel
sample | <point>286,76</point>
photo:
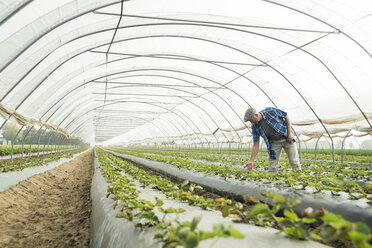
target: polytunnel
<point>170,75</point>
<point>99,70</point>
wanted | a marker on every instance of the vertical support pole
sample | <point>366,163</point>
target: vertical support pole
<point>13,140</point>
<point>241,149</point>
<point>2,125</point>
<point>306,148</point>
<point>316,145</point>
<point>360,146</point>
<point>38,142</point>
<point>23,140</point>
<point>58,138</point>
<point>52,141</point>
<point>333,148</point>
<point>342,146</point>
<point>50,135</point>
<point>32,141</point>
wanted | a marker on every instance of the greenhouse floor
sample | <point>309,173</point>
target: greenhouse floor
<point>54,209</point>
<point>51,209</point>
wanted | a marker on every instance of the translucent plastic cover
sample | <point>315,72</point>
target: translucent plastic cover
<point>186,71</point>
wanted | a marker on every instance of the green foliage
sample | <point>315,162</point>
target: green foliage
<point>323,175</point>
<point>333,226</point>
<point>5,150</point>
<point>186,234</point>
<point>330,226</point>
<point>9,131</point>
<point>142,212</point>
<point>19,165</point>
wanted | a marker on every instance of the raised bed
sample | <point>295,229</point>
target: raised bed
<point>238,189</point>
<point>109,231</point>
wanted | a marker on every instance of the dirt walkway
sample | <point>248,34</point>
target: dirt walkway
<point>51,209</point>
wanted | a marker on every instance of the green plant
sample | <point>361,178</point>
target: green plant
<point>187,234</point>
<point>293,225</point>
<point>142,212</point>
<point>332,227</point>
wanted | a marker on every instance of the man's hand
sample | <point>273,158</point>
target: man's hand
<point>289,138</point>
<point>249,166</point>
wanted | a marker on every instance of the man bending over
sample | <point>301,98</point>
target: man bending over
<point>274,127</point>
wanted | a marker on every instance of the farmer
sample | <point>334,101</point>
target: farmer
<point>274,127</point>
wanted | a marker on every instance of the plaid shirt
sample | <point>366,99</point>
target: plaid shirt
<point>275,118</point>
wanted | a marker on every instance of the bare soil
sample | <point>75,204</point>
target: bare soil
<point>51,209</point>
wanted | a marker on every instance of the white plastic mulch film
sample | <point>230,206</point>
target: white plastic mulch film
<point>186,71</point>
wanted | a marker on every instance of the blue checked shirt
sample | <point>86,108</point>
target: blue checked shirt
<point>275,118</point>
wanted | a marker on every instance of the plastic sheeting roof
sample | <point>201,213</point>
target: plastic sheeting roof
<point>169,68</point>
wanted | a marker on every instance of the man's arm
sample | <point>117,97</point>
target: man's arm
<point>289,131</point>
<point>255,149</point>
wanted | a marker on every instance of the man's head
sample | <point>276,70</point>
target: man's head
<point>251,115</point>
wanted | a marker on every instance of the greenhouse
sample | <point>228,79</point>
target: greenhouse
<point>186,123</point>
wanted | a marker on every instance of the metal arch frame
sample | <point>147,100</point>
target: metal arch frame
<point>84,123</point>
<point>300,94</point>
<point>181,119</point>
<point>157,75</point>
<point>170,110</point>
<point>83,35</point>
<point>186,100</point>
<point>76,118</point>
<point>159,138</point>
<point>201,22</point>
<point>320,20</point>
<point>342,146</point>
<point>170,122</point>
<point>230,28</point>
<point>57,109</point>
<point>24,138</point>
<point>205,99</point>
<point>179,79</point>
<point>91,107</point>
<point>193,104</point>
<point>213,22</point>
<point>240,75</point>
<point>32,141</point>
<point>164,120</point>
<point>80,101</point>
<point>107,117</point>
<point>13,140</point>
<point>286,79</point>
<point>15,10</point>
<point>184,56</point>
<point>112,39</point>
<point>251,80</point>
<point>208,79</point>
<point>176,79</point>
<point>135,117</point>
<point>38,141</point>
<point>173,88</point>
<point>54,27</point>
<point>316,146</point>
<point>201,98</point>
<point>296,48</point>
<point>156,126</point>
<point>232,90</point>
